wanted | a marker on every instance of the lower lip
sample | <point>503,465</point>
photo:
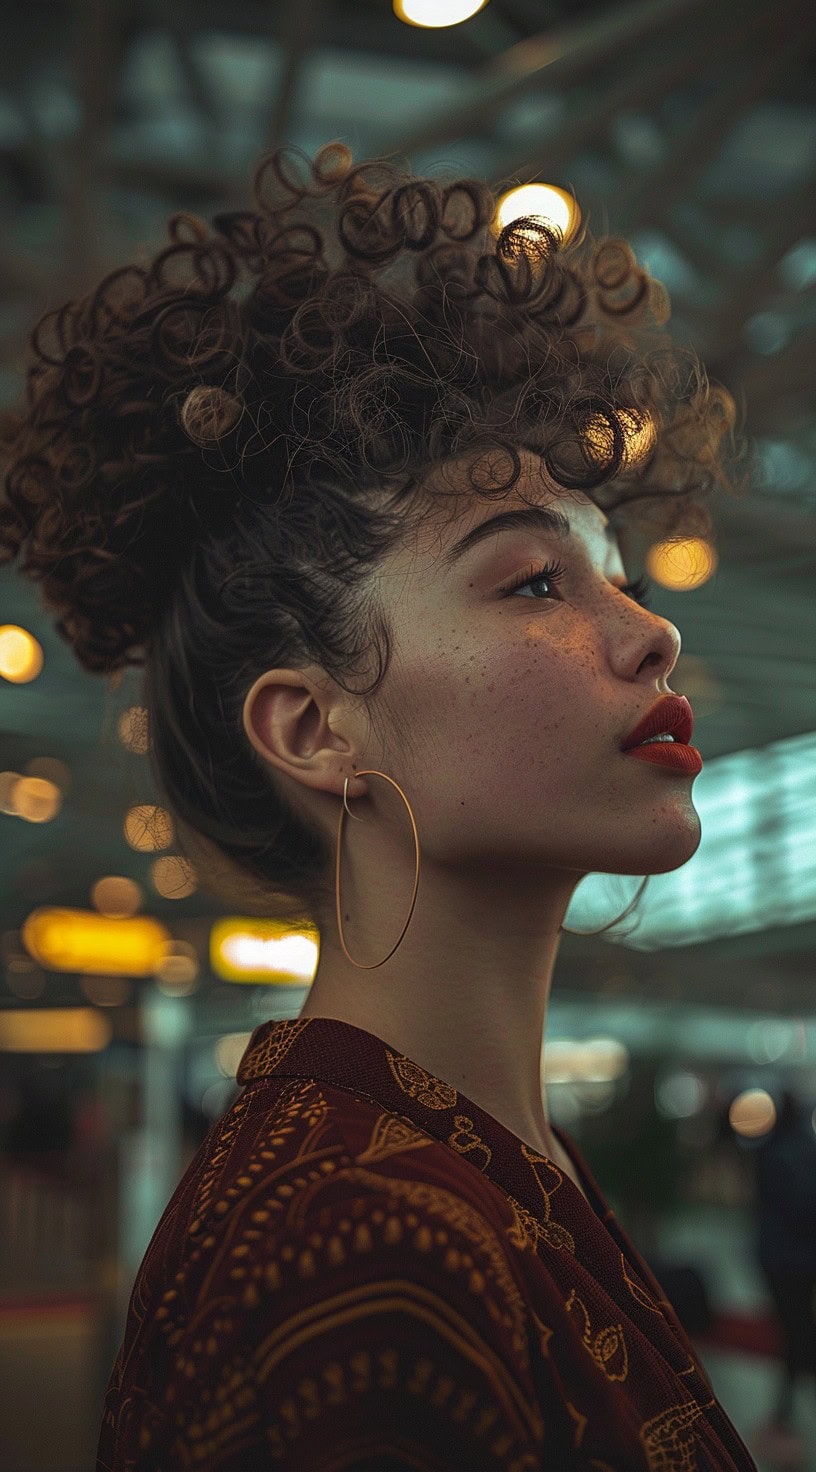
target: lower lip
<point>669,754</point>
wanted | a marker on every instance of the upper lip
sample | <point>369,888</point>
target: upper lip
<point>671,715</point>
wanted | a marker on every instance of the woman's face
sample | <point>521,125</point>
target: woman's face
<point>507,709</point>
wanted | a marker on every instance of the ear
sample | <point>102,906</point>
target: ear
<point>295,721</point>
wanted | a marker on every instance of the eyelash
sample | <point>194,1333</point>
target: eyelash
<point>554,571</point>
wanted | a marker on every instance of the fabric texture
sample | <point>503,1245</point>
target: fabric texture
<point>361,1269</point>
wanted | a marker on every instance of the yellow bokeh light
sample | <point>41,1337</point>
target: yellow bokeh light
<point>35,799</point>
<point>256,950</point>
<point>173,878</point>
<point>54,1030</point>
<point>682,565</point>
<point>752,1113</point>
<point>148,827</point>
<point>433,14</point>
<point>546,201</point>
<point>132,728</point>
<point>21,656</point>
<point>81,940</point>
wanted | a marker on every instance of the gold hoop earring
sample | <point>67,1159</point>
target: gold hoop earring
<point>371,772</point>
<point>622,916</point>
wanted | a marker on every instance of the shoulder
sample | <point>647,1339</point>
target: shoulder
<point>361,1298</point>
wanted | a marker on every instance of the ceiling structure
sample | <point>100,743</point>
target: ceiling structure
<point>690,128</point>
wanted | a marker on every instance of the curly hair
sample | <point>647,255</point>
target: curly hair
<point>215,448</point>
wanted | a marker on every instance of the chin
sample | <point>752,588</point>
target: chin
<point>675,851</point>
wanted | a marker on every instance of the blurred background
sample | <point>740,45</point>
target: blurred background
<point>126,997</point>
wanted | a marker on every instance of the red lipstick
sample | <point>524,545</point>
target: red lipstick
<point>670,754</point>
<point>670,716</point>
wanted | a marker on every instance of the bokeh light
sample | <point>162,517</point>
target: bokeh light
<point>545,201</point>
<point>752,1113</point>
<point>683,564</point>
<point>132,729</point>
<point>148,827</point>
<point>21,655</point>
<point>173,878</point>
<point>434,14</point>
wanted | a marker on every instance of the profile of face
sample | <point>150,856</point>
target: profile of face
<point>509,706</point>
<point>503,710</point>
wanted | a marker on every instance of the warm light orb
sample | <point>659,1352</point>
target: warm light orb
<point>752,1113</point>
<point>246,949</point>
<point>148,827</point>
<point>436,13</point>
<point>36,799</point>
<point>21,656</point>
<point>132,729</point>
<point>682,565</point>
<point>549,203</point>
<point>173,878</point>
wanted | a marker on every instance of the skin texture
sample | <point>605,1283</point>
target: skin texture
<point>502,720</point>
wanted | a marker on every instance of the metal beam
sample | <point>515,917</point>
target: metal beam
<point>561,58</point>
<point>650,197</point>
<point>647,77</point>
<point>98,54</point>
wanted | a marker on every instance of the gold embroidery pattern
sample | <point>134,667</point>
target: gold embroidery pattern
<point>391,1135</point>
<point>280,1178</point>
<point>667,1440</point>
<point>464,1139</point>
<point>418,1084</point>
<point>234,1223</point>
<point>638,1293</point>
<point>463,1218</point>
<point>230,1126</point>
<point>527,1231</point>
<point>365,1300</point>
<point>608,1348</point>
<point>269,1052</point>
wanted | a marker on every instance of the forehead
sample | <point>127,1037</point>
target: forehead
<point>478,497</point>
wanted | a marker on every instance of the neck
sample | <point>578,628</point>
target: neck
<point>465,994</point>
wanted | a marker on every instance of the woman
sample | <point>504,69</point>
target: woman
<point>268,466</point>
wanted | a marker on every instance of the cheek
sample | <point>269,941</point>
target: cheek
<point>472,708</point>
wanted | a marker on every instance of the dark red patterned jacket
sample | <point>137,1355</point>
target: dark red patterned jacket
<point>362,1269</point>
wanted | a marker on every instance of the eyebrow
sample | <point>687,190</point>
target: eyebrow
<point>539,518</point>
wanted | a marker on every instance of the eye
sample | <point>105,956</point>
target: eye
<point>552,572</point>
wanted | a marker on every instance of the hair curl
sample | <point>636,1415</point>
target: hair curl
<point>213,449</point>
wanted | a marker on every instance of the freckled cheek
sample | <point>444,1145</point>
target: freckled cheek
<point>475,694</point>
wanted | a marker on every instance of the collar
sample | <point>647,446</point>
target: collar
<point>348,1057</point>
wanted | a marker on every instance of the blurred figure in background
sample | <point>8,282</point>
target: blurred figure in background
<point>786,1250</point>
